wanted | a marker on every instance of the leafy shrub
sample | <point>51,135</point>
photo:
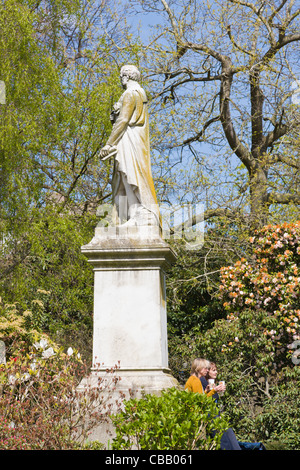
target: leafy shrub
<point>20,327</point>
<point>254,347</point>
<point>176,420</point>
<point>269,282</point>
<point>41,407</point>
<point>279,421</point>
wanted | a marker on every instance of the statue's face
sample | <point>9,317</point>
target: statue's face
<point>124,80</point>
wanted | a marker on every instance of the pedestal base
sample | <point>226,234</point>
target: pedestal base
<point>130,319</point>
<point>130,384</point>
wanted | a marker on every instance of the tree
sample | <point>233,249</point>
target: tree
<point>59,63</point>
<point>224,72</point>
<point>59,83</point>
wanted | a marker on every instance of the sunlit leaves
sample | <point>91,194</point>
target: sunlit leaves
<point>176,420</point>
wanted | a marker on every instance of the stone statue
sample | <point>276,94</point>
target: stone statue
<point>132,184</point>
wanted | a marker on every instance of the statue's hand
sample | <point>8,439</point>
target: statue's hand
<point>105,151</point>
<point>117,107</point>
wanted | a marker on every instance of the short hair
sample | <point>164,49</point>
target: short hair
<point>131,71</point>
<point>198,364</point>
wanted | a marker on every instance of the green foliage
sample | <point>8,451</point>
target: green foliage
<point>16,326</point>
<point>53,284</point>
<point>195,277</point>
<point>264,408</point>
<point>254,346</point>
<point>261,398</point>
<point>60,83</point>
<point>280,418</point>
<point>192,284</point>
<point>176,420</point>
<point>31,79</point>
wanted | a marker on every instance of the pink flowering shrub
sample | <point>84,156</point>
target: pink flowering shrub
<point>41,407</point>
<point>9,439</point>
<point>270,281</point>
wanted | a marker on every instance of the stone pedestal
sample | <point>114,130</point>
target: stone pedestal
<point>130,318</point>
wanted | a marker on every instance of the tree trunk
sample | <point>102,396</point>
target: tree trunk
<point>259,206</point>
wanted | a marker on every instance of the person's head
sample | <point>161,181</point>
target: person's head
<point>200,367</point>
<point>130,72</point>
<point>212,371</point>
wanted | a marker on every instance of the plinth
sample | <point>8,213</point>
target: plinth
<point>130,315</point>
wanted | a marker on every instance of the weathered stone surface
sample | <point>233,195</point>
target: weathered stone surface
<point>130,317</point>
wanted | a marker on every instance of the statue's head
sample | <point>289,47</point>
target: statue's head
<point>130,71</point>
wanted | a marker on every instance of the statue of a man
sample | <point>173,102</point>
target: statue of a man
<point>132,181</point>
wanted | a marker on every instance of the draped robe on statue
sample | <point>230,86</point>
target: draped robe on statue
<point>132,172</point>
